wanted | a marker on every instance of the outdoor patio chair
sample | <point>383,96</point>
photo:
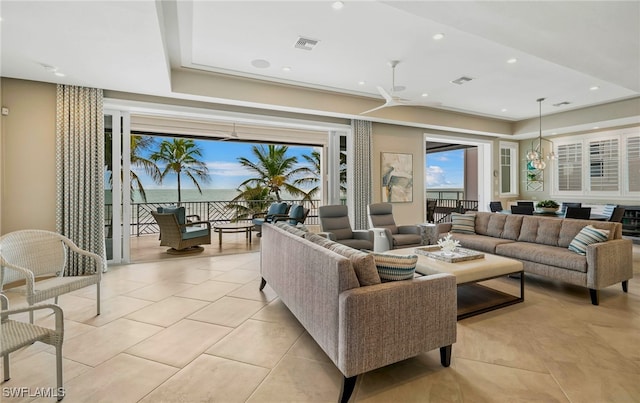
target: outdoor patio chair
<point>182,237</point>
<point>275,210</point>
<point>297,215</point>
<point>30,255</point>
<point>16,334</point>
<point>334,222</point>
<point>398,236</point>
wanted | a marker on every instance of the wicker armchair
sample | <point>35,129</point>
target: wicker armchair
<point>182,238</point>
<point>31,255</point>
<point>15,335</point>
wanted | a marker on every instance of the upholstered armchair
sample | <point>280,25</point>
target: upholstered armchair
<point>180,235</point>
<point>334,222</point>
<point>275,210</point>
<point>398,236</point>
<point>45,256</point>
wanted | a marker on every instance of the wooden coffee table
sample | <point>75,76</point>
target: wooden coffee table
<point>233,227</point>
<point>473,298</point>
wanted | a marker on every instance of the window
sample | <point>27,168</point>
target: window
<point>508,168</point>
<point>603,165</point>
<point>570,167</point>
<point>633,163</point>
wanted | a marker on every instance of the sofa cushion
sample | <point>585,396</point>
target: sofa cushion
<point>319,240</point>
<point>363,264</point>
<point>496,225</point>
<point>482,222</point>
<point>587,236</point>
<point>545,231</point>
<point>571,228</point>
<point>395,267</point>
<point>543,254</point>
<point>482,243</point>
<point>512,226</point>
<point>463,223</point>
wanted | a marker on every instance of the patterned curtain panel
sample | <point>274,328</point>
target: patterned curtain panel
<point>79,172</point>
<point>362,175</point>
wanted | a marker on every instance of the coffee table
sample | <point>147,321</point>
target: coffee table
<point>233,227</point>
<point>473,298</point>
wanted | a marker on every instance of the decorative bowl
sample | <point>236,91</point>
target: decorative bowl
<point>547,210</point>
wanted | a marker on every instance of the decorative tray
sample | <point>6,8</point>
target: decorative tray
<point>460,255</point>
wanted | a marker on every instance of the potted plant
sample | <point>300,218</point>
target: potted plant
<point>547,206</point>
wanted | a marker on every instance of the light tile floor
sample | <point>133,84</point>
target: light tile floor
<point>197,329</point>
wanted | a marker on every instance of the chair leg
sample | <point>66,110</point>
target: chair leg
<point>445,355</point>
<point>98,298</point>
<point>5,363</point>
<point>625,286</point>
<point>31,317</point>
<point>60,391</point>
<point>55,300</point>
<point>263,282</point>
<point>348,384</point>
<point>594,296</point>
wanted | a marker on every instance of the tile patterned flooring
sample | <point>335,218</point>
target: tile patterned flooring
<point>197,329</point>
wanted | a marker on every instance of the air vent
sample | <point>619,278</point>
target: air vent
<point>461,80</point>
<point>562,103</point>
<point>305,43</point>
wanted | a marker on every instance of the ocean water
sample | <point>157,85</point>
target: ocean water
<point>188,195</point>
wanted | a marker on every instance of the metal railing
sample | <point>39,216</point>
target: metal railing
<point>445,207</point>
<point>215,211</point>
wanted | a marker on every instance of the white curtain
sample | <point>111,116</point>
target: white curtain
<point>362,175</point>
<point>79,172</point>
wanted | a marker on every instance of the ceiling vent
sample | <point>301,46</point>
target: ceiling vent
<point>461,80</point>
<point>562,103</point>
<point>305,43</point>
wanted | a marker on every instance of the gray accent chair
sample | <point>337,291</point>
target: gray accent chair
<point>334,222</point>
<point>398,236</point>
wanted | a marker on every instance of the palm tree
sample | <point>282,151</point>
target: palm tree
<point>181,156</point>
<point>256,199</point>
<point>311,173</point>
<point>275,170</point>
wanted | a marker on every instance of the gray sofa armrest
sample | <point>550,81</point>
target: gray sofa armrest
<point>609,263</point>
<point>389,322</point>
<point>363,234</point>
<point>444,227</point>
<point>408,229</point>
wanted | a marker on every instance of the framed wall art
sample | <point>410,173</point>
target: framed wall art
<point>397,177</point>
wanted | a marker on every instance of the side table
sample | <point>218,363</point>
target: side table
<point>429,233</point>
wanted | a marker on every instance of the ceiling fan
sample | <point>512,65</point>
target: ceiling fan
<point>233,135</point>
<point>394,100</point>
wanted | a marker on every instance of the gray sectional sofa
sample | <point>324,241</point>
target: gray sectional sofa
<point>541,244</point>
<point>360,323</point>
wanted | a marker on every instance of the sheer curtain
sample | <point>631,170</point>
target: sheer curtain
<point>362,171</point>
<point>79,172</point>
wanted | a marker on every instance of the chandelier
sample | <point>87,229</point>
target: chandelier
<point>536,155</point>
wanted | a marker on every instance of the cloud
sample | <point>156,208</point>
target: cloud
<point>435,176</point>
<point>442,158</point>
<point>220,168</point>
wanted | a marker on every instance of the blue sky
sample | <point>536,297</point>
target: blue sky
<point>445,169</point>
<point>222,160</point>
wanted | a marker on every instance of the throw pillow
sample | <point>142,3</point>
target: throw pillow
<point>395,267</point>
<point>362,263</point>
<point>587,236</point>
<point>463,223</point>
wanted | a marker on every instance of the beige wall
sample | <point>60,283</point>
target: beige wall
<point>28,156</point>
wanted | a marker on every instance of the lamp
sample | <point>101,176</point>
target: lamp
<point>536,155</point>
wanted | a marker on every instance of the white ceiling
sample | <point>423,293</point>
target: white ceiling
<point>563,48</point>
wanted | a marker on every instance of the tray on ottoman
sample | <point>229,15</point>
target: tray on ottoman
<point>460,255</point>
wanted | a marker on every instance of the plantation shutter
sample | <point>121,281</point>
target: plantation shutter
<point>604,165</point>
<point>633,163</point>
<point>570,167</point>
<point>505,167</point>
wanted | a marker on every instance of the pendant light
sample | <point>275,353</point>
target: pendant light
<point>536,155</point>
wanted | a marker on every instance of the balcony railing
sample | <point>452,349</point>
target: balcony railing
<point>445,207</point>
<point>216,211</point>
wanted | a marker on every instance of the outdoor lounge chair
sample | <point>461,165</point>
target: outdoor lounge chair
<point>297,215</point>
<point>31,255</point>
<point>16,334</point>
<point>275,210</point>
<point>182,237</point>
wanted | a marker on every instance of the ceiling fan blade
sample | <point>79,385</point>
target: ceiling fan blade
<point>376,108</point>
<point>387,97</point>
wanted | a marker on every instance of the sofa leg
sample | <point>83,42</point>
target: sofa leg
<point>263,282</point>
<point>594,296</point>
<point>348,384</point>
<point>625,286</point>
<point>445,355</point>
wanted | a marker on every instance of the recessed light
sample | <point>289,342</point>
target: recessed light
<point>512,60</point>
<point>337,5</point>
<point>424,94</point>
<point>438,36</point>
<point>362,82</point>
<point>260,63</point>
<point>286,68</point>
<point>596,127</point>
<point>59,74</point>
<point>503,110</point>
<point>594,88</point>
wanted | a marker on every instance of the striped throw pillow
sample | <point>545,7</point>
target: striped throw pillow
<point>463,223</point>
<point>395,267</point>
<point>587,236</point>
